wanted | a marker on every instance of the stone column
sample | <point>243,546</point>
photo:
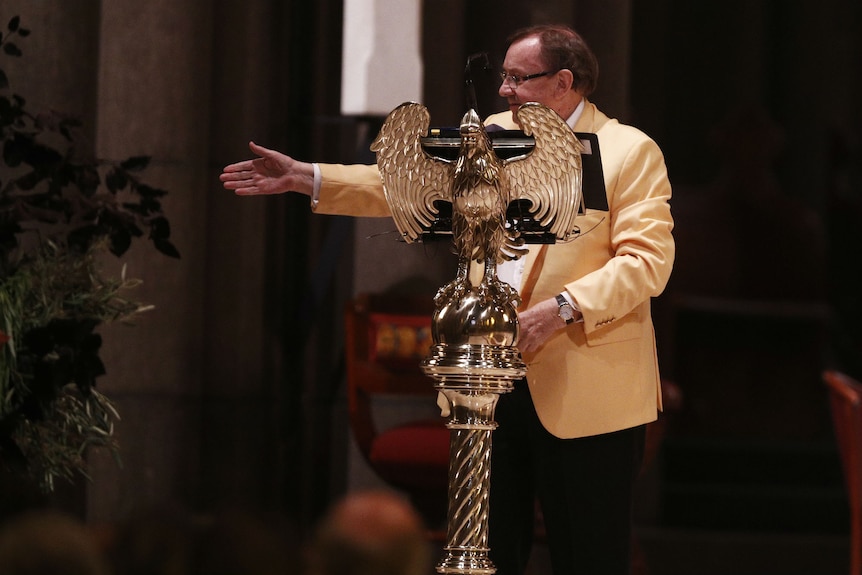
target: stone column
<point>153,78</point>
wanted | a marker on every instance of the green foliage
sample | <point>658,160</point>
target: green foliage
<point>59,210</point>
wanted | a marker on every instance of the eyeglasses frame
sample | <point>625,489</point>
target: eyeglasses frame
<point>515,81</point>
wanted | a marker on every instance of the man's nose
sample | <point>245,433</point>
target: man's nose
<point>505,89</point>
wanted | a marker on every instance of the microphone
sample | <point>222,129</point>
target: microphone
<point>482,58</point>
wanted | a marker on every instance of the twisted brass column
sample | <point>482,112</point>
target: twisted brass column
<point>472,376</point>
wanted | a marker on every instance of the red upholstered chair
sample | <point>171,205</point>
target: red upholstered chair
<point>845,394</point>
<point>386,338</point>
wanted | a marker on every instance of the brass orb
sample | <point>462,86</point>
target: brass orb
<point>475,320</point>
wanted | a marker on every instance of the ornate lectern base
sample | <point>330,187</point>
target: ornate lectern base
<point>474,366</point>
<point>466,560</point>
<point>472,378</point>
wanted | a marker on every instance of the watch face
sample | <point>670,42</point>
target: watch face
<point>565,312</point>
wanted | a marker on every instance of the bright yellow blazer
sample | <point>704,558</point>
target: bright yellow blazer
<point>600,375</point>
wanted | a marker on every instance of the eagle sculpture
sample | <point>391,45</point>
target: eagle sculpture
<point>480,186</point>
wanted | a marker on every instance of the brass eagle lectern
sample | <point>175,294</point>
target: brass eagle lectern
<point>474,357</point>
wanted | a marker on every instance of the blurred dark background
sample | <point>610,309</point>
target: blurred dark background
<point>232,390</point>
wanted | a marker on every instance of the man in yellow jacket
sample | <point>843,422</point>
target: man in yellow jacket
<point>573,433</point>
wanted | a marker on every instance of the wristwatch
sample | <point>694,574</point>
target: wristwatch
<point>566,312</point>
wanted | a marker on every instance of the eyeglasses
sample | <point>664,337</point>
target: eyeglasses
<point>516,81</point>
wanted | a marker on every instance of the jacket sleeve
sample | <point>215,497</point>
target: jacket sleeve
<point>641,246</point>
<point>351,190</point>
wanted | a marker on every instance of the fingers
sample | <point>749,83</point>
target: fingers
<point>255,176</point>
<point>247,165</point>
<point>236,172</point>
<point>249,191</point>
<point>243,166</point>
<point>260,150</point>
<point>239,179</point>
<point>243,188</point>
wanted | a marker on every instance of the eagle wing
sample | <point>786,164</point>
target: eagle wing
<point>550,175</point>
<point>412,178</point>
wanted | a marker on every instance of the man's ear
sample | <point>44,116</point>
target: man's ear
<point>565,80</point>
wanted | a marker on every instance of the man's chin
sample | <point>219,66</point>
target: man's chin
<point>514,109</point>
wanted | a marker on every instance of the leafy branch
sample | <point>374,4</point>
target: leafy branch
<point>59,209</point>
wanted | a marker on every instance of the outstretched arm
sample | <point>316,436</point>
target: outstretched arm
<point>270,173</point>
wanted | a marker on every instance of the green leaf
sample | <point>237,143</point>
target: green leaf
<point>137,209</point>
<point>82,237</point>
<point>39,156</point>
<point>87,178</point>
<point>12,49</point>
<point>121,240</point>
<point>135,163</point>
<point>166,247</point>
<point>28,181</point>
<point>12,153</point>
<point>116,180</point>
<point>160,228</point>
<point>150,205</point>
<point>146,191</point>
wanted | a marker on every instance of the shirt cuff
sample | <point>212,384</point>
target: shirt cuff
<point>574,305</point>
<point>315,191</point>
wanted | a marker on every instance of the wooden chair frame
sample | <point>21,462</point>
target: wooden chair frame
<point>845,394</point>
<point>370,374</point>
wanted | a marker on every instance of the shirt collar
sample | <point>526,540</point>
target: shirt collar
<point>576,115</point>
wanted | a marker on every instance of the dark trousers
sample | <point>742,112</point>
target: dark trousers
<point>584,486</point>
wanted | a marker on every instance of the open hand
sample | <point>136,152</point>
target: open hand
<point>270,173</point>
